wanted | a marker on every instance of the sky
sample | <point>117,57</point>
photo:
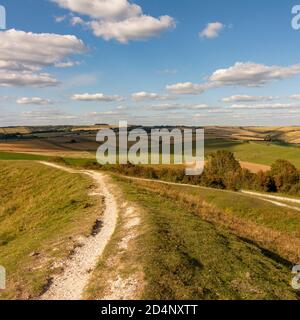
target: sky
<point>150,62</point>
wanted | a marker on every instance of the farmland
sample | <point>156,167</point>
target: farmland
<point>169,248</point>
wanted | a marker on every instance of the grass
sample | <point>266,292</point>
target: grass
<point>273,227</point>
<point>22,156</point>
<point>257,152</point>
<point>43,211</point>
<point>250,208</point>
<point>185,257</point>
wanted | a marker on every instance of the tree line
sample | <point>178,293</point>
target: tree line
<point>223,171</point>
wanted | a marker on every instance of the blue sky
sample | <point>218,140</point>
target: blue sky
<point>193,62</point>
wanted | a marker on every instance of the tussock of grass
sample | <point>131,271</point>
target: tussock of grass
<point>42,212</point>
<point>185,257</point>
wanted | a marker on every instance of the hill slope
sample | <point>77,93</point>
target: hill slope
<point>42,213</point>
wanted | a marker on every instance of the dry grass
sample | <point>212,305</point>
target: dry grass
<point>284,244</point>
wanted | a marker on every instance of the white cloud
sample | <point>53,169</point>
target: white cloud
<point>34,100</point>
<point>246,98</point>
<point>266,106</point>
<point>37,49</point>
<point>47,115</point>
<point>187,88</point>
<point>135,28</point>
<point>77,21</point>
<point>117,19</point>
<point>24,54</point>
<point>251,74</point>
<point>106,9</point>
<point>67,64</point>
<point>26,78</point>
<point>95,97</point>
<point>170,106</point>
<point>295,97</point>
<point>247,74</point>
<point>138,96</point>
<point>212,30</point>
<point>59,19</point>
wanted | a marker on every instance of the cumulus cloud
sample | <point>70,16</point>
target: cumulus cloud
<point>245,74</point>
<point>246,98</point>
<point>178,106</point>
<point>266,106</point>
<point>87,97</point>
<point>251,74</point>
<point>23,55</point>
<point>117,19</point>
<point>138,96</point>
<point>37,49</point>
<point>212,30</point>
<point>10,78</point>
<point>107,9</point>
<point>188,88</point>
<point>34,100</point>
<point>135,28</point>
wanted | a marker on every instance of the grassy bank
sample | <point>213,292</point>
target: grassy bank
<point>43,211</point>
<point>275,228</point>
<point>185,257</point>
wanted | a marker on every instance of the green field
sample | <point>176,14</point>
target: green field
<point>22,156</point>
<point>257,152</point>
<point>185,257</point>
<point>42,211</point>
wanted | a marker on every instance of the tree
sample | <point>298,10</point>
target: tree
<point>265,182</point>
<point>285,175</point>
<point>222,171</point>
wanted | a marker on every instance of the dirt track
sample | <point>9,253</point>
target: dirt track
<point>71,283</point>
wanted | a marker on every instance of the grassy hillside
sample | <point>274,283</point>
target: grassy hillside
<point>43,211</point>
<point>185,257</point>
<point>275,228</point>
<point>257,152</point>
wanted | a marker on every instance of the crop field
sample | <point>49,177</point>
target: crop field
<point>171,248</point>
